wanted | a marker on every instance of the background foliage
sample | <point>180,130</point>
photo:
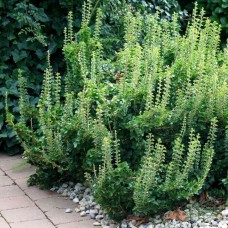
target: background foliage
<point>30,28</point>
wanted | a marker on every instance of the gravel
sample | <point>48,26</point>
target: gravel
<point>68,210</point>
<point>198,217</point>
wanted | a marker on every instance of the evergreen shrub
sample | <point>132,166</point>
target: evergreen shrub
<point>159,105</point>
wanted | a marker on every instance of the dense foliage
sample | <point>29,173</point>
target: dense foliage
<point>216,10</point>
<point>154,114</point>
<point>30,28</point>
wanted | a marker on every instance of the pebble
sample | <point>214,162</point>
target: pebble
<point>92,214</point>
<point>53,189</point>
<point>82,208</point>
<point>214,223</point>
<point>124,225</point>
<point>99,217</point>
<point>83,213</point>
<point>98,207</point>
<point>222,224</point>
<point>65,185</point>
<point>225,213</point>
<point>186,225</point>
<point>60,190</point>
<point>68,210</point>
<point>198,217</point>
<point>65,192</point>
<point>76,200</point>
<point>132,224</point>
<point>150,226</point>
<point>72,195</point>
<point>113,226</point>
<point>205,224</point>
<point>100,212</point>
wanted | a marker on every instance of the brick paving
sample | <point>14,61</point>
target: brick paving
<point>29,207</point>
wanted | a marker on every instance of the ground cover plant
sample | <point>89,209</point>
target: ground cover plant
<point>155,110</point>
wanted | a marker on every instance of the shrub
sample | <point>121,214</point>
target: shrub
<point>114,191</point>
<point>30,28</point>
<point>158,186</point>
<point>157,81</point>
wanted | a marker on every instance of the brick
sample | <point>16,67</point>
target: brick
<point>80,224</point>
<point>5,181</point>
<point>58,216</point>
<point>3,223</point>
<point>54,202</point>
<point>15,202</point>
<point>10,191</point>
<point>44,223</point>
<point>35,193</point>
<point>22,214</point>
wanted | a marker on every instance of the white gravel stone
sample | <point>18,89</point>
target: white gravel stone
<point>53,189</point>
<point>198,217</point>
<point>186,224</point>
<point>214,223</point>
<point>222,224</point>
<point>98,207</point>
<point>92,215</point>
<point>68,210</point>
<point>225,213</point>
<point>83,213</point>
<point>82,208</point>
<point>150,226</point>
<point>205,224</point>
<point>65,192</point>
<point>113,226</point>
<point>76,200</point>
<point>65,185</point>
<point>132,224</point>
<point>77,210</point>
<point>99,217</point>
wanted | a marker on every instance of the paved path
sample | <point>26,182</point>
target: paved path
<point>29,207</point>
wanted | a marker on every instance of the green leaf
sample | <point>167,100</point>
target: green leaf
<point>3,134</point>
<point>11,133</point>
<point>12,148</point>
<point>223,20</point>
<point>3,91</point>
<point>41,16</point>
<point>218,10</point>
<point>40,54</point>
<point>18,55</point>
